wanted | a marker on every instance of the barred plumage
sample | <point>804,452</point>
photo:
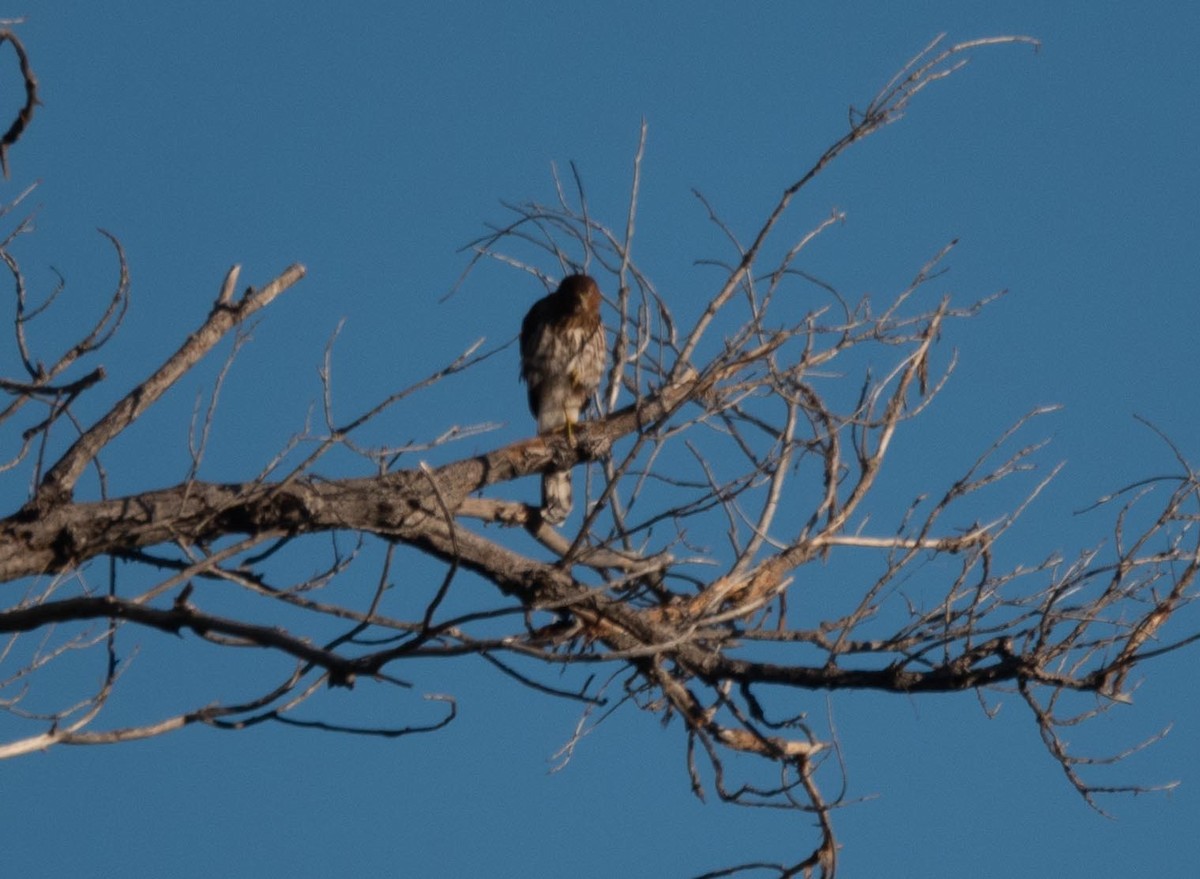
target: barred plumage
<point>562,359</point>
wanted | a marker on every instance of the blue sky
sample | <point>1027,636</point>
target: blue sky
<point>370,141</point>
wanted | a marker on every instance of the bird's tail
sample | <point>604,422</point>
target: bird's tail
<point>556,496</point>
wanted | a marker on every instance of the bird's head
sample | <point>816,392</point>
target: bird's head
<point>581,287</point>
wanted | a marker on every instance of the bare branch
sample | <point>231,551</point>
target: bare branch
<point>25,114</point>
<point>61,478</point>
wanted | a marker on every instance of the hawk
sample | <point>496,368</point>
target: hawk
<point>562,357</point>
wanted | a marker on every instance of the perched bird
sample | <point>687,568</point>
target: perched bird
<point>562,358</point>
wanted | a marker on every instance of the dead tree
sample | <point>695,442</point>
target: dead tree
<point>728,453</point>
